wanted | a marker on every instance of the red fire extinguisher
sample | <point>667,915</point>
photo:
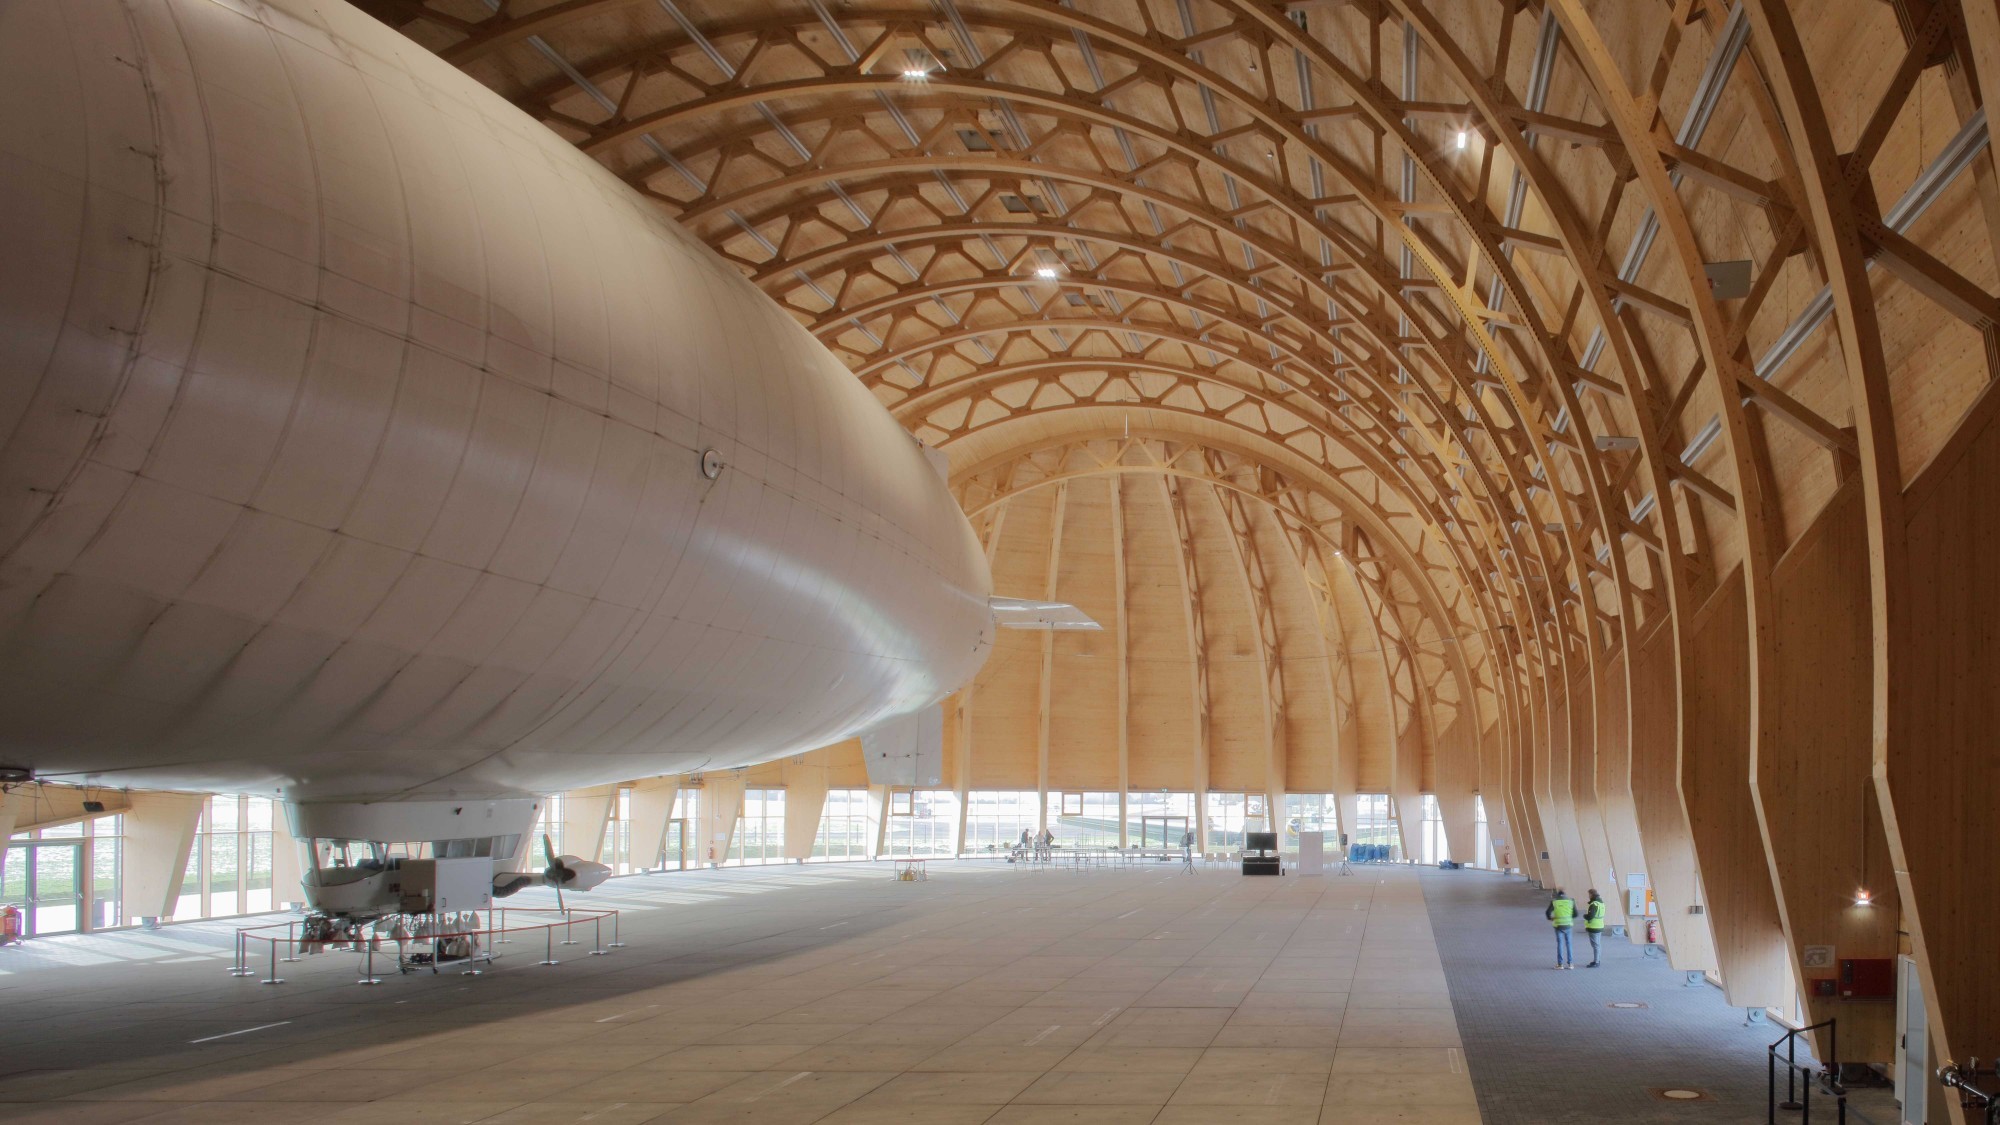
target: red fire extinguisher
<point>10,924</point>
<point>1652,931</point>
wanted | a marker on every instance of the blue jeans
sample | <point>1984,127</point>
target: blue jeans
<point>1563,956</point>
<point>1596,936</point>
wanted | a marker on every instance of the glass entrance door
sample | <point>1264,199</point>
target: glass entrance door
<point>1162,832</point>
<point>45,880</point>
<point>673,853</point>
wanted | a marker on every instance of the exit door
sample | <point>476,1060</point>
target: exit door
<point>1163,832</point>
<point>45,879</point>
<point>673,852</point>
<point>1913,1051</point>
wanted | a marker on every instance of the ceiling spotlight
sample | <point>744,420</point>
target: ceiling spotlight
<point>1864,897</point>
<point>1464,138</point>
<point>1046,273</point>
<point>916,74</point>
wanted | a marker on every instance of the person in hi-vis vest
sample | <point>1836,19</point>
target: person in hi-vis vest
<point>1593,925</point>
<point>1562,915</point>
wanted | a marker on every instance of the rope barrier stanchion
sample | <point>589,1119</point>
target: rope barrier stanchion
<point>470,969</point>
<point>368,974</point>
<point>274,978</point>
<point>598,940</point>
<point>569,923</point>
<point>615,943</point>
<point>291,944</point>
<point>548,945</point>
<point>503,939</point>
<point>241,968</point>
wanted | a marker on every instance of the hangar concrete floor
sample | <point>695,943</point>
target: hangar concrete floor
<point>835,994</point>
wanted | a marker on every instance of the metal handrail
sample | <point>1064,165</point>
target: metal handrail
<point>494,932</point>
<point>1953,1077</point>
<point>1826,1075</point>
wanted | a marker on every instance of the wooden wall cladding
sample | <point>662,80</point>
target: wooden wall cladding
<point>1935,760</point>
<point>1813,785</point>
<point>1714,778</point>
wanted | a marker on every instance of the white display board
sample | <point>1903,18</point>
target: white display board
<point>1312,852</point>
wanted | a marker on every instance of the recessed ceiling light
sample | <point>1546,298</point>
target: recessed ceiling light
<point>916,75</point>
<point>1046,273</point>
<point>1464,138</point>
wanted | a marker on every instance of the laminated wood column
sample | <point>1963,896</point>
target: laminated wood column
<point>1715,784</point>
<point>585,813</point>
<point>1534,843</point>
<point>159,831</point>
<point>1457,782</point>
<point>1614,786</point>
<point>1561,839</point>
<point>1406,768</point>
<point>1044,714</point>
<point>1813,783</point>
<point>1197,641</point>
<point>1493,796</point>
<point>805,800</point>
<point>1123,641</point>
<point>1599,872</point>
<point>1671,870</point>
<point>652,807</point>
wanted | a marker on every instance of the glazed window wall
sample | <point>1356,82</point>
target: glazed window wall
<point>1084,820</point>
<point>1311,812</point>
<point>845,830</point>
<point>1375,824</point>
<point>923,822</point>
<point>1434,846</point>
<point>995,819</point>
<point>1482,838</point>
<point>1230,815</point>
<point>760,828</point>
<point>228,870</point>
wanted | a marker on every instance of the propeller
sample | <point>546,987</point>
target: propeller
<point>580,874</point>
<point>555,872</point>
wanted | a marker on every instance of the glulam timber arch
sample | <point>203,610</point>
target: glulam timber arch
<point>1460,255</point>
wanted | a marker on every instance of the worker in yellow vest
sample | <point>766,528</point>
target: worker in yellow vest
<point>1593,925</point>
<point>1562,915</point>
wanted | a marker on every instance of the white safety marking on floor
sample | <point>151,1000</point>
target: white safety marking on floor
<point>1107,1017</point>
<point>1046,1032</point>
<point>245,1031</point>
<point>622,1015</point>
<point>836,924</point>
<point>781,1085</point>
<point>1456,1057</point>
<point>591,1116</point>
<point>1126,915</point>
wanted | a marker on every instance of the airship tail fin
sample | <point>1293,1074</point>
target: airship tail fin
<point>1036,613</point>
